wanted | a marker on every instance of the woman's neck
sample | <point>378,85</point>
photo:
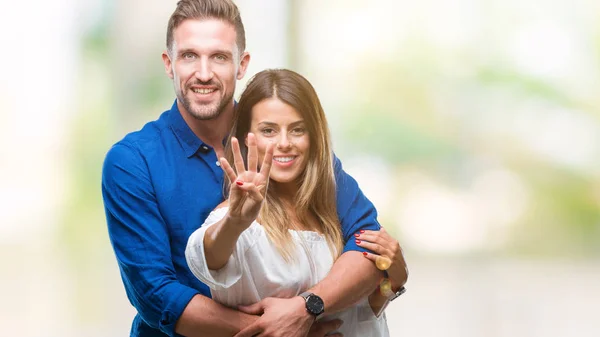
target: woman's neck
<point>286,192</point>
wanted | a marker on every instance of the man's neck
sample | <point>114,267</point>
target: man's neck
<point>210,131</point>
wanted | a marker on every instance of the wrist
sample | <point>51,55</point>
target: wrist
<point>395,286</point>
<point>232,221</point>
<point>313,304</point>
<point>301,303</point>
<point>398,282</point>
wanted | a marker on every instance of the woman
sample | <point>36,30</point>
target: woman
<point>282,234</point>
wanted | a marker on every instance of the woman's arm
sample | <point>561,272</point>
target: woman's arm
<point>388,248</point>
<point>220,240</point>
<point>246,195</point>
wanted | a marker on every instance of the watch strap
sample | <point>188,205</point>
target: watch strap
<point>397,294</point>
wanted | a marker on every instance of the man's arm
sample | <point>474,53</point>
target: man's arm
<point>205,317</point>
<point>140,240</point>
<point>352,277</point>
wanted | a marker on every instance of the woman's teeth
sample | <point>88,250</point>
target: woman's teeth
<point>283,159</point>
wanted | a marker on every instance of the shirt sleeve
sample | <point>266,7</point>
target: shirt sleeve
<point>231,273</point>
<point>140,240</point>
<point>355,211</point>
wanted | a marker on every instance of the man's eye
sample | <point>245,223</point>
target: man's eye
<point>189,56</point>
<point>221,57</point>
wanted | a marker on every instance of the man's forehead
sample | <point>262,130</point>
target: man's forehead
<point>205,34</point>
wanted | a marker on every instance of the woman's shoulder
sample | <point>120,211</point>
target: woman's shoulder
<point>217,214</point>
<point>221,209</point>
<point>223,204</point>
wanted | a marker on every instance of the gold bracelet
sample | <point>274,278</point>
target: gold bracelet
<point>385,288</point>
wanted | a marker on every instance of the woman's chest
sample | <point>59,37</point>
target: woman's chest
<point>312,262</point>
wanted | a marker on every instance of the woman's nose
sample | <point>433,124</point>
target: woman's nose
<point>284,143</point>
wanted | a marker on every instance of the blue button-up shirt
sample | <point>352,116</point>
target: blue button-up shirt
<point>158,185</point>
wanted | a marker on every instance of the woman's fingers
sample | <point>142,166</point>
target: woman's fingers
<point>379,242</point>
<point>238,161</point>
<point>228,170</point>
<point>374,237</point>
<point>370,256</point>
<point>381,234</point>
<point>376,248</point>
<point>252,190</point>
<point>252,152</point>
<point>265,168</point>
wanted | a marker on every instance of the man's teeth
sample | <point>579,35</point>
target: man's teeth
<point>203,91</point>
<point>283,159</point>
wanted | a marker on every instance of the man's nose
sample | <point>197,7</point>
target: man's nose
<point>204,71</point>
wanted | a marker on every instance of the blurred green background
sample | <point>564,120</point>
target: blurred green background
<point>474,127</point>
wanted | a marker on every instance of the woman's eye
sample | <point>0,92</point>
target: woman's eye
<point>267,131</point>
<point>298,131</point>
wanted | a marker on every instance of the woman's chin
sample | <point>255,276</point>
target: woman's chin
<point>283,179</point>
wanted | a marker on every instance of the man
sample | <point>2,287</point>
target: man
<point>161,182</point>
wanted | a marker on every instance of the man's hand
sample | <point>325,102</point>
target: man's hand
<point>280,317</point>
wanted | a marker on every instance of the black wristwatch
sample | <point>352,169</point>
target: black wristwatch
<point>314,304</point>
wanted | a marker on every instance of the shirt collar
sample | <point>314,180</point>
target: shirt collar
<point>187,139</point>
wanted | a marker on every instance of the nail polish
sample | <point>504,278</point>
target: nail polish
<point>365,253</point>
<point>356,235</point>
<point>362,231</point>
<point>357,241</point>
<point>240,183</point>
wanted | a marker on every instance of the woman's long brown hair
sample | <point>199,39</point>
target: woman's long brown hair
<point>316,195</point>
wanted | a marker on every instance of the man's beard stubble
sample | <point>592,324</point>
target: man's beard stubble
<point>204,112</point>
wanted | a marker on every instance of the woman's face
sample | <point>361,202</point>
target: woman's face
<point>274,121</point>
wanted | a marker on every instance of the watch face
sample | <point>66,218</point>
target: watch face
<point>315,305</point>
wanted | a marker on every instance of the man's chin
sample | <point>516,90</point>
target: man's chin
<point>204,112</point>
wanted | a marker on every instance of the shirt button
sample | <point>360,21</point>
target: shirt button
<point>204,148</point>
<point>218,163</point>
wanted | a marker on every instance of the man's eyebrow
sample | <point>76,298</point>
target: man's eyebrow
<point>185,50</point>
<point>217,51</point>
<point>223,51</point>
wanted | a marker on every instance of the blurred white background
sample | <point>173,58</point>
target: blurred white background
<point>474,126</point>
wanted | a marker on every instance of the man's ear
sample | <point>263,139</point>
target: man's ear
<point>244,60</point>
<point>168,64</point>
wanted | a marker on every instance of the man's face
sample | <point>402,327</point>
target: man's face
<point>204,64</point>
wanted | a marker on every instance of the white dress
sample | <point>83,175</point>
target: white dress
<point>256,270</point>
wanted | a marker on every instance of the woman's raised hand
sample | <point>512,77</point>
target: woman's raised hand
<point>248,187</point>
